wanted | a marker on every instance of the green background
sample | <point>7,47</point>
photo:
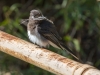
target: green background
<point>77,21</point>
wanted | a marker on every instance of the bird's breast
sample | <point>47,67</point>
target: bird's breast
<point>36,38</point>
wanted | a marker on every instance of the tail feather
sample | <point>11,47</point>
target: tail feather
<point>64,47</point>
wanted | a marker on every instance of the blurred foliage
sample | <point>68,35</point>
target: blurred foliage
<point>77,21</point>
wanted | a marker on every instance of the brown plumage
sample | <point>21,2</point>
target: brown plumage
<point>43,32</point>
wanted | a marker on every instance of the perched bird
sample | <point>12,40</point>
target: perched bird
<point>42,32</point>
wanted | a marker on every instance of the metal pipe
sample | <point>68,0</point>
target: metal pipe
<point>43,58</point>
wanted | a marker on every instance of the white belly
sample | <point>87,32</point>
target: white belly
<point>37,39</point>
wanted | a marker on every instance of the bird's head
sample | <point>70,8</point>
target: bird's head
<point>36,15</point>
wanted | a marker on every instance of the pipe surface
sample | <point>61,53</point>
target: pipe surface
<point>43,58</point>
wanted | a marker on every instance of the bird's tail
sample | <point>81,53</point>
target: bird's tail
<point>64,47</point>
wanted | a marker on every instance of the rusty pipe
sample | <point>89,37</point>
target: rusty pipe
<point>43,58</point>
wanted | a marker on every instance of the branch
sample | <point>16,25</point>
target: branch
<point>43,58</point>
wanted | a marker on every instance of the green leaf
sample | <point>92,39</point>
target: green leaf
<point>77,44</point>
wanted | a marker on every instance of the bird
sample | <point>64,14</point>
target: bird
<point>42,31</point>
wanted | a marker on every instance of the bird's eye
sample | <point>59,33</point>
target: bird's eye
<point>37,15</point>
<point>34,27</point>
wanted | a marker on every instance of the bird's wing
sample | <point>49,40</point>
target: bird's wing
<point>48,31</point>
<point>24,21</point>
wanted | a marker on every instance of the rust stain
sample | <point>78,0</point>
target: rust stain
<point>78,66</point>
<point>71,64</point>
<point>27,59</point>
<point>62,59</point>
<point>68,62</point>
<point>45,50</point>
<point>85,70</point>
<point>20,56</point>
<point>40,55</point>
<point>7,36</point>
<point>53,56</point>
<point>15,54</point>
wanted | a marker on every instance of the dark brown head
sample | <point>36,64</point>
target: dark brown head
<point>36,13</point>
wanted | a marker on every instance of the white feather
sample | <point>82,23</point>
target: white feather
<point>37,39</point>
